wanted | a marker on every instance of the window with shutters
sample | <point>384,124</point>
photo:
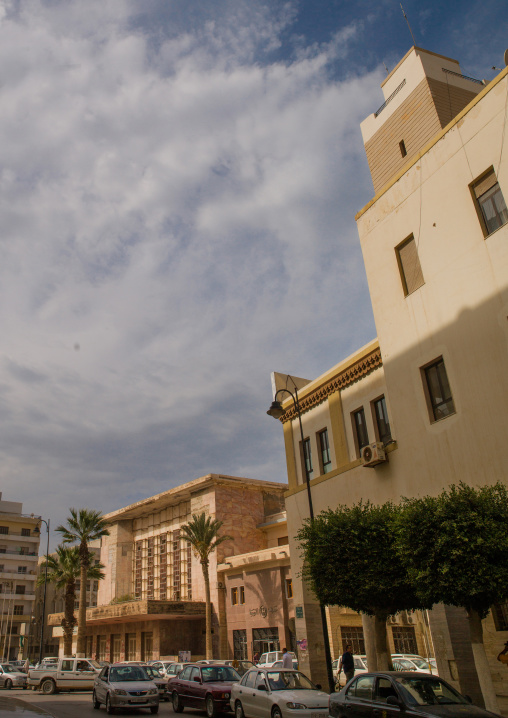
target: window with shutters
<point>489,202</point>
<point>409,265</point>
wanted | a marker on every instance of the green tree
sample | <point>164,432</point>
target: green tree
<point>63,570</point>
<point>203,533</point>
<point>454,548</point>
<point>83,526</point>
<point>350,560</point>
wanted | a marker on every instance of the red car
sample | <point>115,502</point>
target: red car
<point>206,687</point>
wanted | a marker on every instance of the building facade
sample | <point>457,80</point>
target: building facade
<point>152,601</point>
<point>19,548</point>
<point>425,404</point>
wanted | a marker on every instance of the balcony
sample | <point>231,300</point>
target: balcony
<point>143,610</point>
<point>31,556</point>
<point>18,597</point>
<point>19,537</point>
<point>28,576</point>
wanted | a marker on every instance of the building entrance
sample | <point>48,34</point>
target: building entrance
<point>265,640</point>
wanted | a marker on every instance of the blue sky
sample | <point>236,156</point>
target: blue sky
<point>178,184</point>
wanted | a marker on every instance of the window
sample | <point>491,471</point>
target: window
<point>25,532</point>
<point>409,265</point>
<point>438,393</point>
<point>404,639</point>
<point>18,610</point>
<point>4,529</point>
<point>353,636</point>
<point>289,587</point>
<point>21,569</point>
<point>20,590</point>
<point>500,615</point>
<point>402,147</point>
<point>360,428</point>
<point>382,422</point>
<point>364,687</point>
<point>67,666</point>
<point>490,202</point>
<point>325,462</point>
<point>306,458</point>
<point>242,594</point>
<point>2,567</point>
<point>234,596</point>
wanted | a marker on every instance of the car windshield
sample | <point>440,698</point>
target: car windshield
<point>219,673</point>
<point>8,669</point>
<point>420,663</point>
<point>95,664</point>
<point>403,664</point>
<point>128,673</point>
<point>429,691</point>
<point>152,671</point>
<point>289,680</point>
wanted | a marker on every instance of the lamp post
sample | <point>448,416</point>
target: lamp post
<point>277,412</point>
<point>43,617</point>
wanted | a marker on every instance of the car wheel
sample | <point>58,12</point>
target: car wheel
<point>8,684</point>
<point>239,710</point>
<point>96,703</point>
<point>276,712</point>
<point>48,687</point>
<point>154,709</point>
<point>211,710</point>
<point>109,708</point>
<point>177,703</point>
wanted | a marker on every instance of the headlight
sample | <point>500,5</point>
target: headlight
<point>152,691</point>
<point>120,692</point>
<point>296,706</point>
<point>225,695</point>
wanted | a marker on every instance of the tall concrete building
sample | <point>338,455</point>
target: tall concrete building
<point>19,548</point>
<point>425,404</point>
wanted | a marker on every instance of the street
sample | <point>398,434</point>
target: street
<point>79,705</point>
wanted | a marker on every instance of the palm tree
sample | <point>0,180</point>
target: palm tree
<point>63,570</point>
<point>202,532</point>
<point>83,526</point>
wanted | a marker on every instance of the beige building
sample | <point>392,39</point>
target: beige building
<point>19,548</point>
<point>152,601</point>
<point>425,404</point>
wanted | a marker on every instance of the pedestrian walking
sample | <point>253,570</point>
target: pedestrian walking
<point>347,664</point>
<point>287,659</point>
<point>256,658</point>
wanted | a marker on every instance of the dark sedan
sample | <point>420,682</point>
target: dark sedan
<point>205,687</point>
<point>393,694</point>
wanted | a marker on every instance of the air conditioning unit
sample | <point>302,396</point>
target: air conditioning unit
<point>220,584</point>
<point>373,454</point>
<point>393,619</point>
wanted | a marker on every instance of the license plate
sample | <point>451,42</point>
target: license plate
<point>138,700</point>
<point>317,715</point>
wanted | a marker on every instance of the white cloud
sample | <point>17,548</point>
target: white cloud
<point>175,223</point>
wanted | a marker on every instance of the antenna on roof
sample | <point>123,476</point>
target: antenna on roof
<point>409,26</point>
<point>387,70</point>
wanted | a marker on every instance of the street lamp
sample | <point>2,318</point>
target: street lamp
<point>277,412</point>
<point>43,617</point>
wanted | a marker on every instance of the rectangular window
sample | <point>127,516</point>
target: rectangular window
<point>438,390</point>
<point>20,590</point>
<point>21,569</point>
<point>306,456</point>
<point>325,460</point>
<point>18,610</point>
<point>404,639</point>
<point>240,644</point>
<point>493,212</point>
<point>234,596</point>
<point>289,587</point>
<point>242,594</point>
<point>402,147</point>
<point>353,636</point>
<point>409,265</point>
<point>500,615</point>
<point>382,422</point>
<point>4,529</point>
<point>360,429</point>
<point>25,532</point>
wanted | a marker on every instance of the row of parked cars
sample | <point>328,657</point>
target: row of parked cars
<point>400,662</point>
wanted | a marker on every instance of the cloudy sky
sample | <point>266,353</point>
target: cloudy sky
<point>178,184</point>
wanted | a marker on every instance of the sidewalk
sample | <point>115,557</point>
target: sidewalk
<point>17,708</point>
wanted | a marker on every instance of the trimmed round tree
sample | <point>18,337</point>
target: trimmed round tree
<point>350,560</point>
<point>454,548</point>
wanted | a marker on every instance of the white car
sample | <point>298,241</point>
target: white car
<point>360,667</point>
<point>268,659</point>
<point>420,664</point>
<point>11,677</point>
<point>277,693</point>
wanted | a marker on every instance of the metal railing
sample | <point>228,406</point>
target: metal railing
<point>464,77</point>
<point>389,99</point>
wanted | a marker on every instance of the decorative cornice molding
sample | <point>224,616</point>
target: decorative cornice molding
<point>356,371</point>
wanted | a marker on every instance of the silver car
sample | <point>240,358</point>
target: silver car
<point>125,686</point>
<point>11,677</point>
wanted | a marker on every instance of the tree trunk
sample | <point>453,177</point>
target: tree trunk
<point>69,621</point>
<point>481,662</point>
<point>369,633</point>
<point>384,659</point>
<point>84,558</point>
<point>208,624</point>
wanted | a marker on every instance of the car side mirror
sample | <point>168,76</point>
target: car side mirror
<point>393,701</point>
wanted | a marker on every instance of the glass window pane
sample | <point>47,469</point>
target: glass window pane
<point>383,425</point>
<point>361,429</point>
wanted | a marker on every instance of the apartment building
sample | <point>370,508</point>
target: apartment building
<point>424,405</point>
<point>19,548</point>
<point>152,601</point>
